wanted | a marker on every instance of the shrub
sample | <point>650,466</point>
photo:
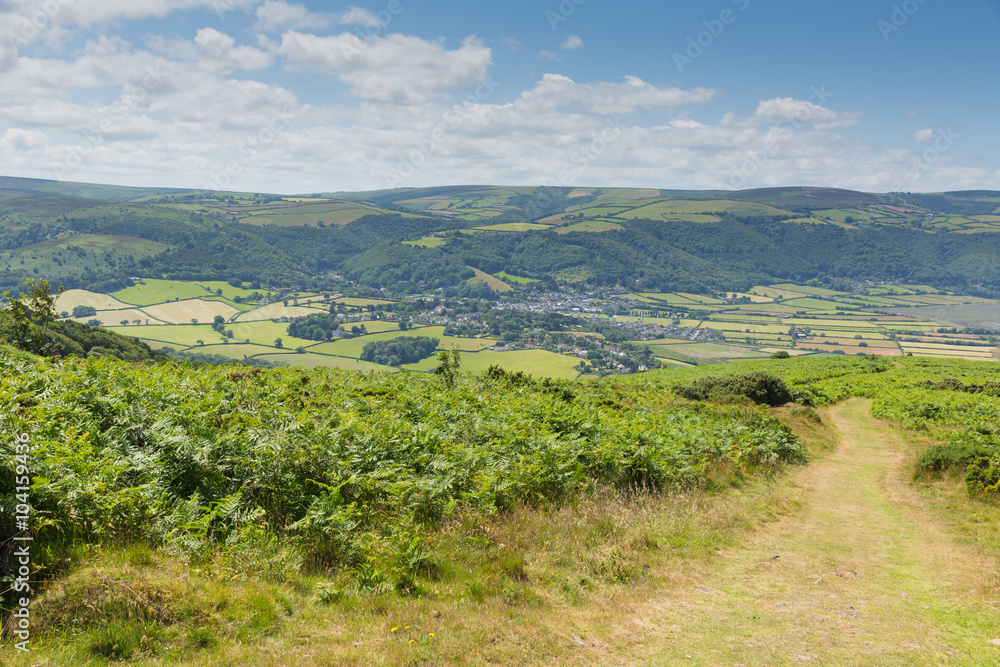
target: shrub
<point>963,450</point>
<point>761,388</point>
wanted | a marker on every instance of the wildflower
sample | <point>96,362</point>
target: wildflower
<point>412,641</point>
<point>394,629</point>
<point>430,634</point>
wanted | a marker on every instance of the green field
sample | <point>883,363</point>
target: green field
<point>427,242</point>
<point>590,226</point>
<point>496,284</point>
<point>184,335</point>
<point>538,363</point>
<point>514,227</point>
<point>506,277</point>
<point>151,291</point>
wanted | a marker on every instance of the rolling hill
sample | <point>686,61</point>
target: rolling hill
<point>412,241</point>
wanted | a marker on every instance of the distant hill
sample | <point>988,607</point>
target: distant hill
<point>455,238</point>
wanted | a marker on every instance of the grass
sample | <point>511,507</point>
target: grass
<point>181,312</point>
<point>151,291</point>
<point>495,283</point>
<point>514,227</point>
<point>70,299</point>
<point>427,242</point>
<point>508,278</point>
<point>590,226</point>
<point>524,587</point>
<point>178,335</point>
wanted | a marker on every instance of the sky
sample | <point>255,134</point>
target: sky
<point>296,98</point>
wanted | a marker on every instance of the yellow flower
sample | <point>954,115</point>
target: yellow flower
<point>407,628</point>
<point>430,634</point>
<point>412,641</point>
<point>394,629</point>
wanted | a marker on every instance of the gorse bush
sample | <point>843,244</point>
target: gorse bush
<point>272,470</point>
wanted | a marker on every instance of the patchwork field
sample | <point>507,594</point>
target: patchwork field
<point>181,312</point>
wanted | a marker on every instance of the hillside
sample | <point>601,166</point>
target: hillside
<point>185,515</point>
<point>461,238</point>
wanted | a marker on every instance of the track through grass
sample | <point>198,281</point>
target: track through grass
<point>864,574</point>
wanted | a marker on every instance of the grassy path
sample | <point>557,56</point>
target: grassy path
<point>860,576</point>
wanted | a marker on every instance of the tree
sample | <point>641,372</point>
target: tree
<point>449,360</point>
<point>219,319</point>
<point>200,342</point>
<point>278,343</point>
<point>27,318</point>
<point>194,320</point>
<point>124,323</point>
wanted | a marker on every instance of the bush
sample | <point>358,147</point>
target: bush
<point>761,388</point>
<point>983,477</point>
<point>961,452</point>
<point>780,354</point>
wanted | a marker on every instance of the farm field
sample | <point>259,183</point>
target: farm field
<point>152,291</point>
<point>498,286</point>
<point>538,363</point>
<point>181,312</point>
<point>278,310</point>
<point>589,226</point>
<point>70,299</point>
<point>750,330</point>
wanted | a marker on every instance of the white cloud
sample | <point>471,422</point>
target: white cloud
<point>606,98</point>
<point>173,114</point>
<point>924,135</point>
<point>396,68</point>
<point>359,16</point>
<point>218,52</point>
<point>511,42</point>
<point>572,42</point>
<point>795,112</point>
<point>18,140</point>
<point>549,55</point>
<point>275,15</point>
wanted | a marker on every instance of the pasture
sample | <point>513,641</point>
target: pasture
<point>182,312</point>
<point>152,291</point>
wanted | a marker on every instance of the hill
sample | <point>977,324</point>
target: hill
<point>460,238</point>
<point>183,514</point>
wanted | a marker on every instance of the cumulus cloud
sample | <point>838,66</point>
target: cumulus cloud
<point>359,16</point>
<point>16,139</point>
<point>218,52</point>
<point>572,42</point>
<point>787,110</point>
<point>275,15</point>
<point>172,113</point>
<point>396,68</point>
<point>605,98</point>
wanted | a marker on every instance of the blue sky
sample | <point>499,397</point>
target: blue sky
<point>268,95</point>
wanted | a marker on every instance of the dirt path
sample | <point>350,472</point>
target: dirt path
<point>858,576</point>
